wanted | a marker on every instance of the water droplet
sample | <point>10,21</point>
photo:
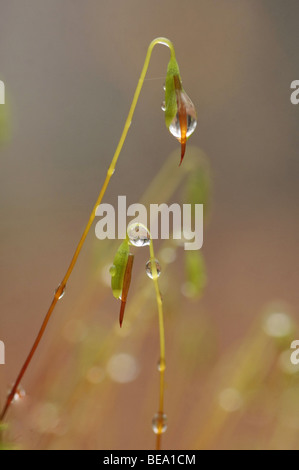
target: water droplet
<point>149,271</point>
<point>175,128</point>
<point>19,394</point>
<point>163,106</point>
<point>161,365</point>
<point>112,271</point>
<point>138,235</point>
<point>159,423</point>
<point>62,293</point>
<point>164,87</point>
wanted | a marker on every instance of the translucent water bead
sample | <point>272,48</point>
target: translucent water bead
<point>175,128</point>
<point>19,394</point>
<point>159,423</point>
<point>149,271</point>
<point>161,366</point>
<point>138,235</point>
<point>62,293</point>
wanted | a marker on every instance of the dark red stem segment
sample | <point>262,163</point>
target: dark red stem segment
<point>126,287</point>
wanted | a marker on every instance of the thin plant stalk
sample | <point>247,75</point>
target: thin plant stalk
<point>162,362</point>
<point>61,289</point>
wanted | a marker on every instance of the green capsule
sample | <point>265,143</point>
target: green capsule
<point>118,269</point>
<point>171,106</point>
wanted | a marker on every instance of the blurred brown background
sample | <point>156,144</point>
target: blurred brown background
<point>70,70</point>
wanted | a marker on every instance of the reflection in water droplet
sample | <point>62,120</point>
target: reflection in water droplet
<point>62,293</point>
<point>175,128</point>
<point>163,106</point>
<point>149,271</point>
<point>138,235</point>
<point>159,423</point>
<point>19,395</point>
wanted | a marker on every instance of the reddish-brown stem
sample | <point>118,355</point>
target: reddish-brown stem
<point>14,389</point>
<point>158,441</point>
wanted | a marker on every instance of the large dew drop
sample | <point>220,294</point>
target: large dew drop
<point>138,235</point>
<point>175,128</point>
<point>149,270</point>
<point>159,423</point>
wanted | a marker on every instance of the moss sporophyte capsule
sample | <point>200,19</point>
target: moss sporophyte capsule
<point>180,113</point>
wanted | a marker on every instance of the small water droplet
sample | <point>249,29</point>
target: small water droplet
<point>163,106</point>
<point>138,235</point>
<point>161,365</point>
<point>164,87</point>
<point>19,394</point>
<point>112,271</point>
<point>175,128</point>
<point>62,293</point>
<point>159,423</point>
<point>149,271</point>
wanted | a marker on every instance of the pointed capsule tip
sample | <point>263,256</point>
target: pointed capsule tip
<point>122,313</point>
<point>183,150</point>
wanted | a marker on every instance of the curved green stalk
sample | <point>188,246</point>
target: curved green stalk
<point>59,292</point>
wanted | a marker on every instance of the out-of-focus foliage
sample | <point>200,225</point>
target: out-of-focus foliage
<point>198,188</point>
<point>195,273</point>
<point>4,123</point>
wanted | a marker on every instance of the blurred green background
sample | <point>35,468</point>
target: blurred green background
<point>70,70</point>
